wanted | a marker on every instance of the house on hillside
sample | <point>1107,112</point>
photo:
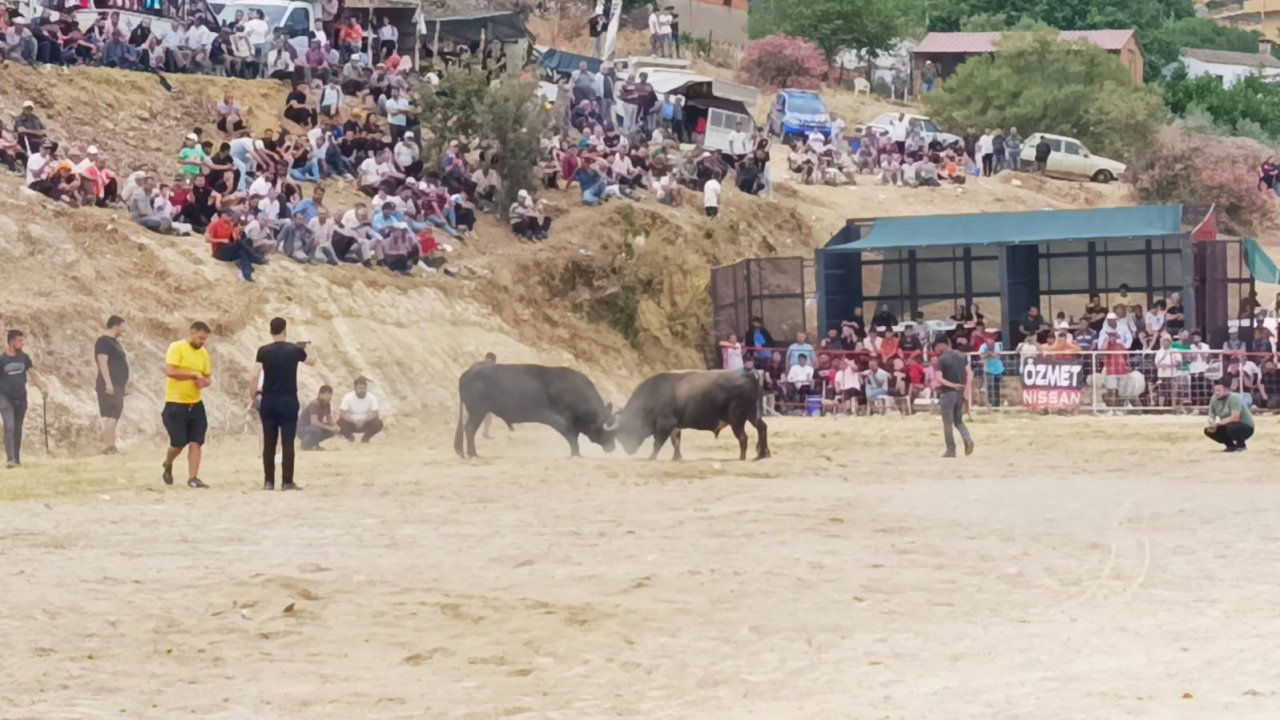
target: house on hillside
<point>1231,67</point>
<point>948,51</point>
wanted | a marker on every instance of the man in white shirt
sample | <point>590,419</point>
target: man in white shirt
<point>38,163</point>
<point>257,32</point>
<point>1168,367</point>
<point>666,47</point>
<point>655,29</point>
<point>877,382</point>
<point>848,382</point>
<point>322,227</point>
<point>800,378</point>
<point>358,413</point>
<point>374,170</point>
<point>1113,330</point>
<point>898,129</point>
<point>397,113</point>
<point>739,143</point>
<point>711,196</point>
<point>407,155</point>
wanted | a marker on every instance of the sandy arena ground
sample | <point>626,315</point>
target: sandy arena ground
<point>1073,568</point>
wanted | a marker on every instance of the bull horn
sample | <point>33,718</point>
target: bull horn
<point>612,425</point>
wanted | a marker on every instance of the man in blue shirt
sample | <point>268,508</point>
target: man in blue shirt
<point>993,368</point>
<point>757,337</point>
<point>800,347</point>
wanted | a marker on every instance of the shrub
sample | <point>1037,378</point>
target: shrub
<point>1041,85</point>
<point>783,61</point>
<point>1179,166</point>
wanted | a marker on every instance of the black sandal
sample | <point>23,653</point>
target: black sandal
<point>196,483</point>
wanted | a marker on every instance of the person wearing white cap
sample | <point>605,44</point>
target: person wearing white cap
<point>407,155</point>
<point>194,160</point>
<point>1114,331</point>
<point>30,129</point>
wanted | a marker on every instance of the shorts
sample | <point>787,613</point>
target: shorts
<point>186,424</point>
<point>111,406</point>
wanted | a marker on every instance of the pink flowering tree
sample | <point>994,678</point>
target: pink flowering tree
<point>783,61</point>
<point>1179,166</point>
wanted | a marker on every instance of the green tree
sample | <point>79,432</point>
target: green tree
<point>507,114</point>
<point>1163,46</point>
<point>1041,85</point>
<point>1249,106</point>
<point>947,15</point>
<point>871,26</point>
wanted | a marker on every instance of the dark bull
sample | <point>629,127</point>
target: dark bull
<point>666,403</point>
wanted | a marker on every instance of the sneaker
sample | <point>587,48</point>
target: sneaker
<point>268,485</point>
<point>1241,447</point>
<point>168,474</point>
<point>289,486</point>
<point>948,454</point>
<point>196,483</point>
<point>968,448</point>
<point>10,465</point>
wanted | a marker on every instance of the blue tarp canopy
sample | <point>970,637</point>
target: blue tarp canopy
<point>563,63</point>
<point>1013,228</point>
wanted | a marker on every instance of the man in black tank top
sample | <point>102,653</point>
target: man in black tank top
<point>277,365</point>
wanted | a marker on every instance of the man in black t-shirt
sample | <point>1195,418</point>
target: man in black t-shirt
<point>1095,313</point>
<point>277,365</point>
<point>955,380</point>
<point>1175,315</point>
<point>15,366</point>
<point>112,367</point>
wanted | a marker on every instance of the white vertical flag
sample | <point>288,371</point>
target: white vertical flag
<point>611,39</point>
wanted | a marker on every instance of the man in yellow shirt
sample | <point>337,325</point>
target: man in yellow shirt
<point>187,369</point>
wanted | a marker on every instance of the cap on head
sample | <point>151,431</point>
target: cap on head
<point>28,105</point>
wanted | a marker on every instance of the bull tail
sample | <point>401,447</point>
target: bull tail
<point>457,435</point>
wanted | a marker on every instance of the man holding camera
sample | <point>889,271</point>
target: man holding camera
<point>277,365</point>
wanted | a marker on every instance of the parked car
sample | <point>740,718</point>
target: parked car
<point>798,113</point>
<point>927,127</point>
<point>1071,159</point>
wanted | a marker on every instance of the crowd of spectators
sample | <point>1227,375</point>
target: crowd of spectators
<point>878,364</point>
<point>903,156</point>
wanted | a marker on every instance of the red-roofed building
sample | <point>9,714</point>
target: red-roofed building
<point>948,51</point>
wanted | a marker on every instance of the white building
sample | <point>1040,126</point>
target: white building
<point>1230,67</point>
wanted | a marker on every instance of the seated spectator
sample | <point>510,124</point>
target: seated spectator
<point>296,108</point>
<point>280,63</point>
<point>229,118</point>
<point>296,239</point>
<point>407,156</point>
<point>316,423</point>
<point>143,213</point>
<point>800,380</point>
<point>528,220</point>
<point>877,383</point>
<point>223,236</point>
<point>359,413</point>
<point>848,385</point>
<point>400,250</point>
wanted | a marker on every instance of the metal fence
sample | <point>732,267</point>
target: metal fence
<point>1151,381</point>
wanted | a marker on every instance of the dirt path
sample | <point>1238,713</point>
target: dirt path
<point>1048,576</point>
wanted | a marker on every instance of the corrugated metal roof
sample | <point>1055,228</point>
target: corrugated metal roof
<point>985,42</point>
<point>1226,57</point>
<point>1014,228</point>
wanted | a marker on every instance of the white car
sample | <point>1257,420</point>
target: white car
<point>927,127</point>
<point>1069,158</point>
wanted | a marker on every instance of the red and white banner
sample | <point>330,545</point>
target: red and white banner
<point>1052,383</point>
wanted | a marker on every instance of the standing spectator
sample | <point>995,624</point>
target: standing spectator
<point>1230,421</point>
<point>15,366</point>
<point>1154,320</point>
<point>928,76</point>
<point>731,353</point>
<point>955,379</point>
<point>398,108</point>
<point>388,38</point>
<point>986,154</point>
<point>800,347</point>
<point>993,369</point>
<point>316,424</point>
<point>1175,316</point>
<point>997,151</point>
<point>1043,150</point>
<point>665,46</point>
<point>596,30</point>
<point>711,195</point>
<point>1168,363</point>
<point>358,413</point>
<point>655,29</point>
<point>277,365</point>
<point>899,128</point>
<point>112,365</point>
<point>1013,149</point>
